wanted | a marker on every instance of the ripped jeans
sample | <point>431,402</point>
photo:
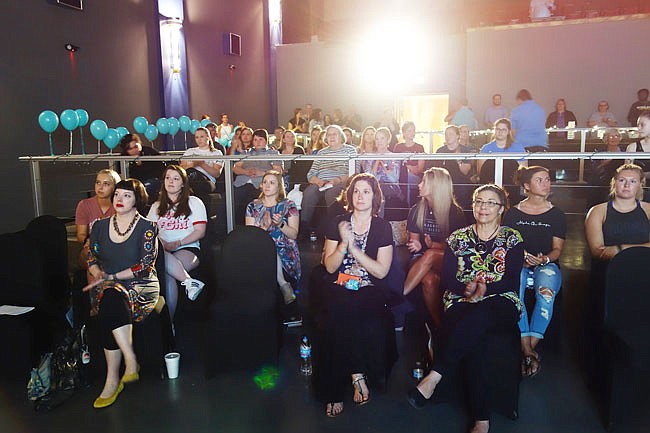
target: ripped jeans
<point>546,281</point>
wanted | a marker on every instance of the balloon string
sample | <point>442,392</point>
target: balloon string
<point>185,134</point>
<point>98,150</point>
<point>51,148</point>
<point>173,142</point>
<point>70,151</point>
<point>83,148</point>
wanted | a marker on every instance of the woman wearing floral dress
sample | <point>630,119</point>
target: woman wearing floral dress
<point>273,212</point>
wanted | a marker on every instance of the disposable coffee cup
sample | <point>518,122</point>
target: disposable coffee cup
<point>172,361</point>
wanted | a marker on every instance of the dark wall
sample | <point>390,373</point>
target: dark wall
<point>114,76</point>
<point>244,92</point>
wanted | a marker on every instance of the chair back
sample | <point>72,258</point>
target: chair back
<point>247,266</point>
<point>627,304</point>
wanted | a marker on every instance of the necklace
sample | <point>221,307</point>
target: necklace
<point>128,229</point>
<point>481,246</point>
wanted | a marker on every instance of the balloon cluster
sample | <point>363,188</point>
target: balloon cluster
<point>73,119</point>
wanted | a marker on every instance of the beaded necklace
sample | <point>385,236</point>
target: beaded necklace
<point>128,229</point>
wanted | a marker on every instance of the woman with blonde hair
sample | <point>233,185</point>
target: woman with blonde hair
<point>367,143</point>
<point>429,222</point>
<point>279,217</point>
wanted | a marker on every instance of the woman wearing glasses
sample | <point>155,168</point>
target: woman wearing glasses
<point>480,275</point>
<point>543,227</point>
<point>502,141</point>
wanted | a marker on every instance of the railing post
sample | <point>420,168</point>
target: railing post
<point>583,146</point>
<point>230,209</point>
<point>35,171</point>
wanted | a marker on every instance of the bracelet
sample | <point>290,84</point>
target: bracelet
<point>548,260</point>
<point>282,225</point>
<point>618,248</point>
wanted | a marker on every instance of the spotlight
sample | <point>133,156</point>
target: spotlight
<point>232,67</point>
<point>71,48</point>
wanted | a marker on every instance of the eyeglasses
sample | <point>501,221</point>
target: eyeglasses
<point>488,204</point>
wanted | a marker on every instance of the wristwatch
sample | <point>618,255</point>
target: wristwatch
<point>282,225</point>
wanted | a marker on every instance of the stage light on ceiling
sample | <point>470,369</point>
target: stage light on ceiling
<point>72,48</point>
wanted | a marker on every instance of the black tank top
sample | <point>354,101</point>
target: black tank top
<point>626,228</point>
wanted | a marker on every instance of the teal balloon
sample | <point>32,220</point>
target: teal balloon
<point>121,131</point>
<point>49,121</point>
<point>112,138</point>
<point>98,129</point>
<point>69,119</point>
<point>140,124</point>
<point>205,122</point>
<point>184,123</point>
<point>151,132</point>
<point>194,126</point>
<point>173,125</point>
<point>83,116</point>
<point>163,125</point>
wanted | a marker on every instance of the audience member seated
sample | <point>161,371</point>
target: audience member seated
<point>602,170</point>
<point>312,145</point>
<point>560,119</point>
<point>123,250</point>
<point>317,118</point>
<point>279,217</point>
<point>481,270</point>
<point>620,223</point>
<point>357,256</point>
<point>349,139</point>
<point>459,170</point>
<point>640,106</point>
<point>495,112</point>
<point>249,173</point>
<point>203,174</point>
<point>326,177</point>
<point>147,172</point>
<point>642,144</point>
<point>388,120</point>
<point>385,171</point>
<point>366,145</point>
<point>295,172</point>
<point>181,219</point>
<point>414,167</point>
<point>88,211</point>
<point>225,131</point>
<point>502,142</point>
<point>543,228</point>
<point>297,123</point>
<point>602,118</point>
<point>213,128</point>
<point>528,123</point>
<point>429,223</point>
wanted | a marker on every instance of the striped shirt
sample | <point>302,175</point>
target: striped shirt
<point>331,169</point>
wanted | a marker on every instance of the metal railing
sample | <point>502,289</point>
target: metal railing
<point>35,162</point>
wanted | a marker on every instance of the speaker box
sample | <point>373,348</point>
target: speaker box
<point>76,4</point>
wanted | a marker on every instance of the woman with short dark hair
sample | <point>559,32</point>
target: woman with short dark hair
<point>123,250</point>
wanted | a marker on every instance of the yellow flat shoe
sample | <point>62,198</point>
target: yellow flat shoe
<point>101,402</point>
<point>129,378</point>
<point>133,377</point>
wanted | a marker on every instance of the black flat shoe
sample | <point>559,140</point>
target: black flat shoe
<point>416,399</point>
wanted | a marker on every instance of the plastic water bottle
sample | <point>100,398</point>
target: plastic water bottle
<point>305,356</point>
<point>418,370</point>
<point>313,237</point>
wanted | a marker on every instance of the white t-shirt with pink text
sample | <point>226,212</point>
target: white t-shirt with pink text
<point>171,228</point>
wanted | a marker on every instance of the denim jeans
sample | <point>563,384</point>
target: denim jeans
<point>547,281</point>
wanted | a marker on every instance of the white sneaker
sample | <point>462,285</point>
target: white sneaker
<point>193,288</point>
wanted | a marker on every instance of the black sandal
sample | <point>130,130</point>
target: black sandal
<point>416,399</point>
<point>530,366</point>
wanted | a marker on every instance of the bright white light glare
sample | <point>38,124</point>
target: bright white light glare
<point>275,11</point>
<point>393,55</point>
<point>170,32</point>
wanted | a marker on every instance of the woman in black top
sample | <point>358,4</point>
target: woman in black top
<point>643,144</point>
<point>357,255</point>
<point>429,223</point>
<point>543,227</point>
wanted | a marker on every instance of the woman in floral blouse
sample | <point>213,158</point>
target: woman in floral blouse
<point>481,269</point>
